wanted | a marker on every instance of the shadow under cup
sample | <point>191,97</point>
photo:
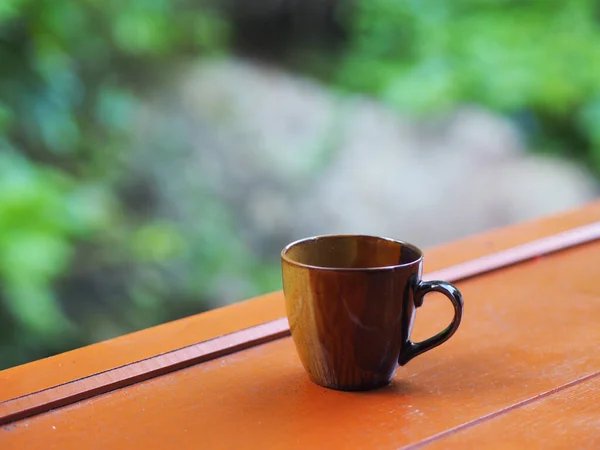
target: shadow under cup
<point>350,302</point>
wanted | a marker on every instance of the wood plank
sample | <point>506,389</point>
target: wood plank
<point>527,330</point>
<point>567,419</point>
<point>113,353</point>
<point>83,388</point>
<point>495,240</point>
<point>86,361</point>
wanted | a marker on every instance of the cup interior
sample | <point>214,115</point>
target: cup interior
<point>351,252</point>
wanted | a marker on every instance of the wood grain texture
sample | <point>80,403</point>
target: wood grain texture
<point>567,419</point>
<point>84,388</point>
<point>528,330</point>
<point>113,353</point>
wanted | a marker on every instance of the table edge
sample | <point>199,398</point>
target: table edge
<point>102,356</point>
<point>135,372</point>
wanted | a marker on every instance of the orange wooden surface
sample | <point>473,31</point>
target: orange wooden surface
<point>85,361</point>
<point>137,372</point>
<point>568,419</point>
<point>528,330</point>
<point>143,344</point>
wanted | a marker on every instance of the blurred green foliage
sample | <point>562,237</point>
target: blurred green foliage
<point>538,61</point>
<point>70,73</point>
<point>41,212</point>
<point>78,265</point>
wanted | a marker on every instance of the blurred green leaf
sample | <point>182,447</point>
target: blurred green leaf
<point>36,308</point>
<point>6,117</point>
<point>32,257</point>
<point>142,32</point>
<point>209,31</point>
<point>9,10</point>
<point>157,242</point>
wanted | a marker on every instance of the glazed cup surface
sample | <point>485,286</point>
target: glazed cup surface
<point>348,301</point>
<point>351,302</point>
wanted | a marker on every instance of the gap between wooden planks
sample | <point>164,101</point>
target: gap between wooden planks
<point>436,437</point>
<point>83,388</point>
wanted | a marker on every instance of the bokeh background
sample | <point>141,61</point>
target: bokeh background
<point>155,156</point>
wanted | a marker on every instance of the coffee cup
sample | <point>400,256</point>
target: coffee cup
<point>351,302</point>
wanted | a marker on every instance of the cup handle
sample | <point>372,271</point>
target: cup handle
<point>413,349</point>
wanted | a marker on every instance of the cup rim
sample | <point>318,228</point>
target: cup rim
<point>292,262</point>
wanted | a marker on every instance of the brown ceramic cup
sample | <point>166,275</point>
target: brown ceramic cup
<point>351,302</point>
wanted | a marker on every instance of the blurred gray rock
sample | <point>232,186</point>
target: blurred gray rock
<point>290,158</point>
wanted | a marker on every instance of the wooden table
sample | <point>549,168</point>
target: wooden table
<point>523,371</point>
